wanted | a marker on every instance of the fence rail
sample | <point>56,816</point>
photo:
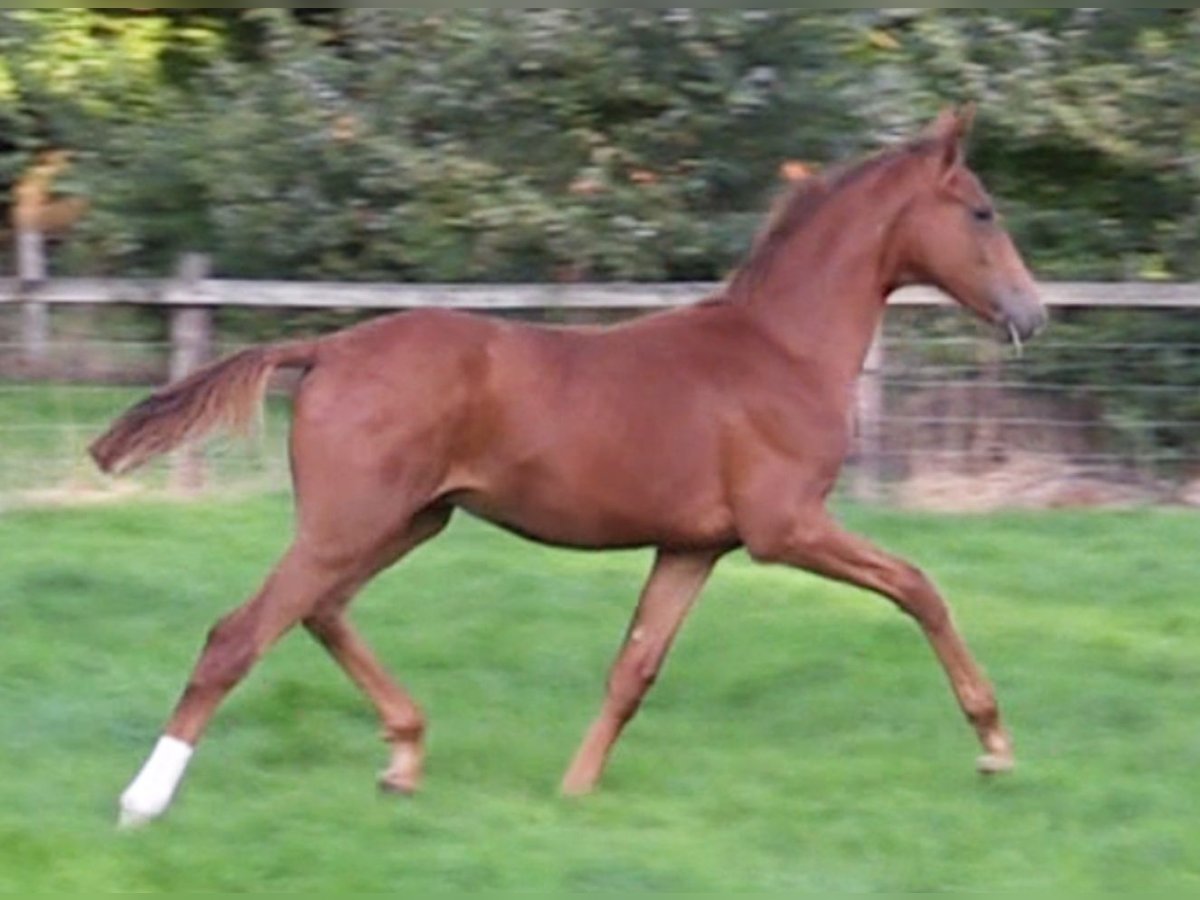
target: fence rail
<point>215,292</point>
<point>887,383</point>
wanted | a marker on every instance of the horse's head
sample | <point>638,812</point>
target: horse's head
<point>953,238</point>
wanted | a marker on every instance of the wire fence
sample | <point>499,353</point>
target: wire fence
<point>1078,419</point>
<point>960,422</point>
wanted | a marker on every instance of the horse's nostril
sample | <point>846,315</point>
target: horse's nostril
<point>1021,312</point>
<point>1028,324</point>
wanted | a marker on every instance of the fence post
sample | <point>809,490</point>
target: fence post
<point>867,485</point>
<point>35,316</point>
<point>191,348</point>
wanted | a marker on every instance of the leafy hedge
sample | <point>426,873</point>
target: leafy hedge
<point>562,144</point>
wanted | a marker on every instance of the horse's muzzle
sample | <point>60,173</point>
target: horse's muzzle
<point>1021,315</point>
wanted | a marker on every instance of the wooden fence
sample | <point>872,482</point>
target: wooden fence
<point>193,297</point>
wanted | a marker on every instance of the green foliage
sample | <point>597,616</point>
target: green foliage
<point>480,145</point>
<point>582,143</point>
<point>67,75</point>
<point>578,143</point>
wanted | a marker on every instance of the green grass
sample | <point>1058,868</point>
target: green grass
<point>801,737</point>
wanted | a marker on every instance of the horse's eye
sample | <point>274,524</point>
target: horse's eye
<point>983,214</point>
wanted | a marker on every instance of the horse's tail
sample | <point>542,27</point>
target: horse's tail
<point>225,394</point>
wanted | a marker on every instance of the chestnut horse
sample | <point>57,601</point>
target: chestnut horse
<point>695,431</point>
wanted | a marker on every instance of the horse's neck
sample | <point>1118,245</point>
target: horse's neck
<point>823,293</point>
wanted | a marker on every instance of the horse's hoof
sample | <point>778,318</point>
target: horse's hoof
<point>995,764</point>
<point>397,787</point>
<point>130,819</point>
<point>573,787</point>
<point>136,810</point>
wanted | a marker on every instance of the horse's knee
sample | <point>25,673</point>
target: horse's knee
<point>630,682</point>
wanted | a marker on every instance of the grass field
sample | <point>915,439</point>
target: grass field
<point>801,737</point>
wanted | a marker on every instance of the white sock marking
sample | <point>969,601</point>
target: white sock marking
<point>150,793</point>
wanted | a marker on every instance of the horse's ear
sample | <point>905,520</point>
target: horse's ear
<point>950,132</point>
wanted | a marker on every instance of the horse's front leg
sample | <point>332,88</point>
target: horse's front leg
<point>815,543</point>
<point>672,588</point>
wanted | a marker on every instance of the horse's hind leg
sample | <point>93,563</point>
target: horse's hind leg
<point>299,582</point>
<point>401,717</point>
<point>306,583</point>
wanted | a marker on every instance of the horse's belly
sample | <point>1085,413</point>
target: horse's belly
<point>599,514</point>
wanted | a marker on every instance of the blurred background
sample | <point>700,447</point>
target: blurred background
<point>181,182</point>
<point>571,147</point>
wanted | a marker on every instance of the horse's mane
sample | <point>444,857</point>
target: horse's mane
<point>800,203</point>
